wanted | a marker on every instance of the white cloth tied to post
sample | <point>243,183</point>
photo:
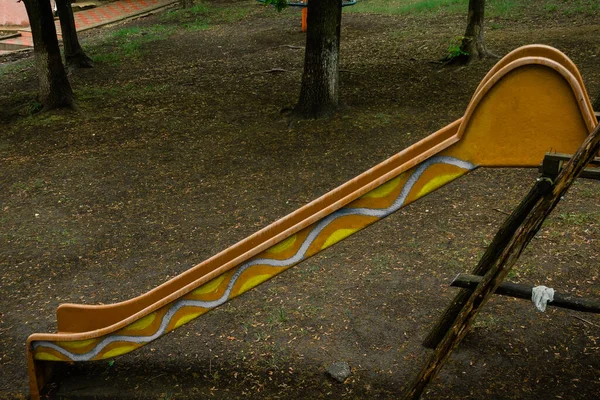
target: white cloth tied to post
<point>541,296</point>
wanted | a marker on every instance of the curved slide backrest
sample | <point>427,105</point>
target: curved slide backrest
<point>532,102</point>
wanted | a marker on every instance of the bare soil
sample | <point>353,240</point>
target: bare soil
<point>181,150</point>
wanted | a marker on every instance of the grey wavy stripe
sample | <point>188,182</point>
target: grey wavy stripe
<point>314,233</point>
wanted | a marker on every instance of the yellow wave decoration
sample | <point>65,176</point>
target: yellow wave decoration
<point>384,189</point>
<point>254,281</point>
<point>187,318</point>
<point>42,355</point>
<point>209,286</point>
<point>78,344</point>
<point>142,323</point>
<point>283,245</point>
<point>437,182</point>
<point>117,351</point>
<point>338,235</point>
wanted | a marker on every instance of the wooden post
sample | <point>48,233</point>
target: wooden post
<point>304,17</point>
<point>505,257</point>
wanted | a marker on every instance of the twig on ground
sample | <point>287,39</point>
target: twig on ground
<point>500,211</point>
<point>273,70</point>
<point>4,330</point>
<point>289,46</point>
<point>154,377</point>
<point>586,321</point>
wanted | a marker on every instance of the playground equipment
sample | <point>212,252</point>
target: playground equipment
<point>532,102</point>
<point>304,5</point>
<point>517,231</point>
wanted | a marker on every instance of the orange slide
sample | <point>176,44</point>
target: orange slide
<point>532,102</point>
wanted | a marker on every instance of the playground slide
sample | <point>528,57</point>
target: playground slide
<point>532,102</point>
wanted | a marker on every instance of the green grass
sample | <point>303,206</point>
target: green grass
<point>133,42</point>
<point>494,8</point>
<point>15,68</point>
<point>580,219</point>
<point>127,43</point>
<point>201,16</point>
<point>85,93</point>
<point>399,7</point>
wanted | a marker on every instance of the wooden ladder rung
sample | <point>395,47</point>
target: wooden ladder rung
<point>553,163</point>
<point>468,281</point>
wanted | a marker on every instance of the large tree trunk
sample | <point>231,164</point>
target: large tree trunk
<point>319,94</point>
<point>473,45</point>
<point>54,88</point>
<point>75,57</point>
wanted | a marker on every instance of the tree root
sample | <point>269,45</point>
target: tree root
<point>78,60</point>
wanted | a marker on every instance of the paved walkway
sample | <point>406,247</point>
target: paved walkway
<point>93,17</point>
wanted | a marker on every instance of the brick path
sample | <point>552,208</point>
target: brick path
<point>94,17</point>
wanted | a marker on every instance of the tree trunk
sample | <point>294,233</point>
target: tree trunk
<point>54,88</point>
<point>75,57</point>
<point>319,94</point>
<point>473,45</point>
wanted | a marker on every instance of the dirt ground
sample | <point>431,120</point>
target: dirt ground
<point>180,150</point>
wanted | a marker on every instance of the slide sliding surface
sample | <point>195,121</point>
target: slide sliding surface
<point>532,102</point>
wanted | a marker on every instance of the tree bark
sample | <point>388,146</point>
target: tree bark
<point>319,94</point>
<point>54,87</point>
<point>75,57</point>
<point>473,44</point>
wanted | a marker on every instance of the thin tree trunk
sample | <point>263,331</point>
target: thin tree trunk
<point>319,94</point>
<point>473,44</point>
<point>75,57</point>
<point>54,87</point>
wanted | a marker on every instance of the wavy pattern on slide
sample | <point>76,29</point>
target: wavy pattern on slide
<point>379,203</point>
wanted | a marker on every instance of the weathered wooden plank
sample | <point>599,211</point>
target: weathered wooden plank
<point>553,163</point>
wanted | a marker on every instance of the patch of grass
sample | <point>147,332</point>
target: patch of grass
<point>493,8</point>
<point>85,93</point>
<point>311,311</point>
<point>580,219</point>
<point>278,316</point>
<point>502,8</point>
<point>132,42</point>
<point>399,7</point>
<point>196,11</point>
<point>572,7</point>
<point>33,107</point>
<point>485,321</point>
<point>197,25</point>
<point>454,49</point>
<point>384,119</point>
<point>129,42</point>
<point>106,58</point>
<point>201,16</point>
<point>14,68</point>
<point>24,188</point>
<point>43,120</point>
